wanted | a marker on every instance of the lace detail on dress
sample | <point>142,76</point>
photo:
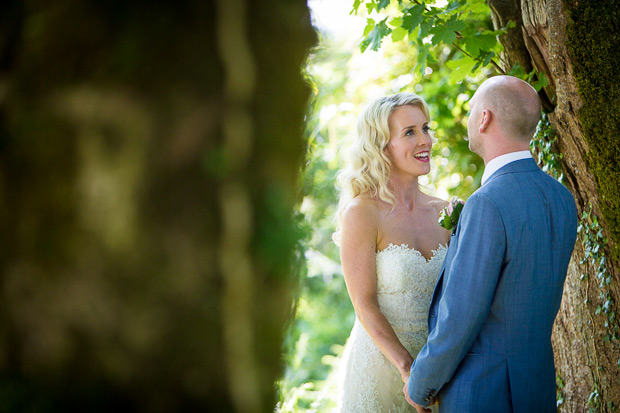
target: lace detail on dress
<point>405,283</point>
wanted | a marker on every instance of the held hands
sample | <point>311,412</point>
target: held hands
<point>420,409</point>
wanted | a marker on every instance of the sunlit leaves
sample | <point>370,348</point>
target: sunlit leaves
<point>398,34</point>
<point>443,34</point>
<point>382,4</point>
<point>376,33</point>
<point>412,17</point>
<point>371,5</point>
<point>356,6</point>
<point>479,41</point>
<point>460,68</point>
<point>459,25</point>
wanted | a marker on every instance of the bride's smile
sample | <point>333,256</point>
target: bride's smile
<point>410,142</point>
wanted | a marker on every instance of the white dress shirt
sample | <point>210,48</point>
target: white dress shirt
<point>501,161</point>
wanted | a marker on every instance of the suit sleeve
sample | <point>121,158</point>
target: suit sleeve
<point>468,289</point>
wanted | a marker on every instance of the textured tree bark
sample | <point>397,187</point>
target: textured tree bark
<point>149,153</point>
<point>586,360</point>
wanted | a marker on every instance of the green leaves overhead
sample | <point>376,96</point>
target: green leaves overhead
<point>463,26</point>
<point>446,34</point>
<point>412,17</point>
<point>479,41</point>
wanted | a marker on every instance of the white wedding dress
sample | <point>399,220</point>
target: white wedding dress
<point>368,382</point>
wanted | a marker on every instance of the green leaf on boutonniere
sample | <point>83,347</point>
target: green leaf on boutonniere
<point>449,216</point>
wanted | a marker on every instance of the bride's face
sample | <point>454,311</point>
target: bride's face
<point>410,142</point>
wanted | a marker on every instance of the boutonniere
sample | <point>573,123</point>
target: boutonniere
<point>449,216</point>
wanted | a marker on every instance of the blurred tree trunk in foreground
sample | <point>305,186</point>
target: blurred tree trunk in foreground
<point>576,44</point>
<point>149,153</point>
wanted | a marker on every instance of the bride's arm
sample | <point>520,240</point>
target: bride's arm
<point>357,254</point>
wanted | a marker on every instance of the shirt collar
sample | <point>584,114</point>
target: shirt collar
<point>502,160</point>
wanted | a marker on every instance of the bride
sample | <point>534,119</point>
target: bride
<point>391,249</point>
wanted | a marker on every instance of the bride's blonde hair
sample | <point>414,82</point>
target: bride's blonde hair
<point>368,168</point>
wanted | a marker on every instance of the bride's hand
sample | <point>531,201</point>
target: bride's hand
<point>419,409</point>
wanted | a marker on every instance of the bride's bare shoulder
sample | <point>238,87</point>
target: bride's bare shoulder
<point>362,208</point>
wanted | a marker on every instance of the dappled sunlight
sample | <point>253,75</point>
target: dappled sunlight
<point>345,80</point>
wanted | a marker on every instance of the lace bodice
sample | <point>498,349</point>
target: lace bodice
<point>405,283</point>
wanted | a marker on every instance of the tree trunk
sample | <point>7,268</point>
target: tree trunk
<point>576,45</point>
<point>149,154</point>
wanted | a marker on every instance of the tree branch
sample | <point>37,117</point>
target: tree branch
<point>495,65</point>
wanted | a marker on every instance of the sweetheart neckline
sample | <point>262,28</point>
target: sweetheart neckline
<point>405,247</point>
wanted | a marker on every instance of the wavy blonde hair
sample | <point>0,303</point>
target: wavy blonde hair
<point>368,167</point>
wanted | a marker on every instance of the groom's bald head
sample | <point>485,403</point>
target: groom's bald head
<point>514,104</point>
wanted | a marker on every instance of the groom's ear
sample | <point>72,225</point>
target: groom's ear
<point>485,119</point>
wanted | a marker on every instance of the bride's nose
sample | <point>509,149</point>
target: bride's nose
<point>425,141</point>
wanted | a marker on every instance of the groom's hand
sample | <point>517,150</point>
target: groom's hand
<point>420,409</point>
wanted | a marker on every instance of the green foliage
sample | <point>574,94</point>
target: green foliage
<point>537,79</point>
<point>594,242</point>
<point>462,25</point>
<point>594,400</point>
<point>449,216</point>
<point>559,385</point>
<point>543,145</point>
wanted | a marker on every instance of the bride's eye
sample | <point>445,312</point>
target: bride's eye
<point>409,132</point>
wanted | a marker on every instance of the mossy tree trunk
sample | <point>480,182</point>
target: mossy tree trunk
<point>148,161</point>
<point>576,44</point>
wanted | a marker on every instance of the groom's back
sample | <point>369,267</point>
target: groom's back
<point>540,218</point>
<point>540,222</point>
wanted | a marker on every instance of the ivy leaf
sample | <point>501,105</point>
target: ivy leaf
<point>376,35</point>
<point>542,81</point>
<point>517,71</point>
<point>413,17</point>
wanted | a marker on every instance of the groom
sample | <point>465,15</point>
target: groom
<point>499,290</point>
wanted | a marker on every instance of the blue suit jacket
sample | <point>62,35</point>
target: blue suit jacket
<point>499,290</point>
